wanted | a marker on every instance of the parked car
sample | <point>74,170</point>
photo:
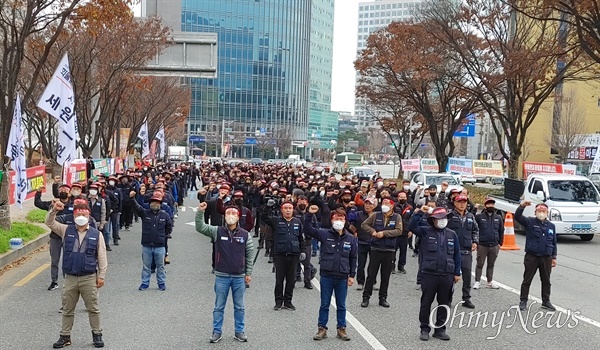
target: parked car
<point>256,161</point>
<point>470,179</point>
<point>595,179</point>
<point>363,172</point>
<point>424,180</point>
<point>390,162</point>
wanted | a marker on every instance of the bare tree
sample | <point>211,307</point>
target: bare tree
<point>568,130</point>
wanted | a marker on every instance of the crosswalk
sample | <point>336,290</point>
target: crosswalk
<point>183,209</point>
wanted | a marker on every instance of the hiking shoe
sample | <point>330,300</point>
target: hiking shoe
<point>215,337</point>
<point>308,285</point>
<point>468,304</point>
<point>360,286</point>
<point>523,305</point>
<point>97,339</point>
<point>108,248</point>
<point>477,285</point>
<point>424,336</point>
<point>492,285</point>
<point>116,242</point>
<point>365,302</point>
<point>278,306</point>
<point>441,335</point>
<point>383,302</point>
<point>241,337</point>
<point>53,286</point>
<point>321,334</point>
<point>341,333</point>
<point>548,306</point>
<point>288,305</point>
<point>401,270</point>
<point>63,340</point>
<point>162,286</point>
<point>143,286</point>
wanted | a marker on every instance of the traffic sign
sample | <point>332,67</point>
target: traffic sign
<point>251,141</point>
<point>196,139</point>
<point>468,129</point>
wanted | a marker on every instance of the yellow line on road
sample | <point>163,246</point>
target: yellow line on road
<point>32,275</point>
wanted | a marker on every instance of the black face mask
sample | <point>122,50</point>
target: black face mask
<point>301,206</point>
<point>402,201</point>
<point>63,195</point>
<point>490,210</point>
<point>346,200</point>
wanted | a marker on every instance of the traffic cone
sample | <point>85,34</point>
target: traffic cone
<point>510,242</point>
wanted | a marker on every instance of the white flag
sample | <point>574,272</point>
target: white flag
<point>16,152</point>
<point>59,101</point>
<point>161,140</point>
<point>143,134</point>
<point>596,164</point>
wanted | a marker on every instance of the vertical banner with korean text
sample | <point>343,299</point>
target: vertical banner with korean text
<point>143,135</point>
<point>16,152</point>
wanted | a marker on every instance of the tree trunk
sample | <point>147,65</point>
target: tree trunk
<point>4,200</point>
<point>442,159</point>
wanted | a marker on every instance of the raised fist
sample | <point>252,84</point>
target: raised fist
<point>425,209</point>
<point>58,205</point>
<point>202,191</point>
<point>202,206</point>
<point>444,185</point>
<point>313,209</point>
<point>132,194</point>
<point>525,203</point>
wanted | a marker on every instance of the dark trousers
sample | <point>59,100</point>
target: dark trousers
<point>126,215</point>
<point>532,264</point>
<point>379,259</point>
<point>306,264</point>
<point>419,260</point>
<point>486,253</point>
<point>55,251</point>
<point>114,221</point>
<point>432,286</point>
<point>363,254</point>
<point>285,269</point>
<point>466,267</point>
<point>193,185</point>
<point>402,247</point>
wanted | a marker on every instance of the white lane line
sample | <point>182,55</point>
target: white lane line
<point>362,330</point>
<point>558,308</point>
<point>182,208</point>
<point>193,223</point>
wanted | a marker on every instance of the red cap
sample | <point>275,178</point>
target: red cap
<point>347,192</point>
<point>225,187</point>
<point>94,185</point>
<point>80,201</point>
<point>238,194</point>
<point>156,198</point>
<point>283,190</point>
<point>461,198</point>
<point>541,205</point>
<point>77,184</point>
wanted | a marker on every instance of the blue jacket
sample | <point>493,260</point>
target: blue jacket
<point>440,249</point>
<point>156,226</point>
<point>338,252</point>
<point>540,236</point>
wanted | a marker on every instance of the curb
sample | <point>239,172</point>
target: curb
<point>13,255</point>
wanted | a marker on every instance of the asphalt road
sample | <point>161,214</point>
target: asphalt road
<point>181,316</point>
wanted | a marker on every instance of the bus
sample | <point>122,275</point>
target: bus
<point>346,160</point>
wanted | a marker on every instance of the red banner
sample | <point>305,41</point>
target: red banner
<point>75,172</point>
<point>536,168</point>
<point>36,178</point>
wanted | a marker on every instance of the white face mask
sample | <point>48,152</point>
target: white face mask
<point>231,219</point>
<point>441,223</point>
<point>385,208</point>
<point>218,186</point>
<point>380,183</point>
<point>322,193</point>
<point>81,220</point>
<point>93,192</point>
<point>338,225</point>
<point>406,188</point>
<point>112,183</point>
<point>541,216</point>
<point>430,210</point>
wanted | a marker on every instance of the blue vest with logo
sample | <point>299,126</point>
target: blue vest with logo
<point>230,251</point>
<point>80,258</point>
<point>96,209</point>
<point>287,235</point>
<point>437,249</point>
<point>385,243</point>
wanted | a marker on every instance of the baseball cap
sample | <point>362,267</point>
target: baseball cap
<point>461,198</point>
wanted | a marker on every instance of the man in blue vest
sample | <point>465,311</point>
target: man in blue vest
<point>84,266</point>
<point>98,211</point>
<point>440,267</point>
<point>156,226</point>
<point>233,267</point>
<point>384,226</point>
<point>339,256</point>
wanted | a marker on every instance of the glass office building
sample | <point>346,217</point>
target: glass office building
<point>262,88</point>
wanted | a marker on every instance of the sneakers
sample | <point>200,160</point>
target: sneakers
<point>116,242</point>
<point>441,335</point>
<point>360,286</point>
<point>393,271</point>
<point>108,248</point>
<point>241,337</point>
<point>548,305</point>
<point>401,270</point>
<point>308,285</point>
<point>383,302</point>
<point>424,336</point>
<point>523,305</point>
<point>63,340</point>
<point>53,286</point>
<point>298,278</point>
<point>143,286</point>
<point>270,261</point>
<point>215,337</point>
<point>321,334</point>
<point>288,305</point>
<point>341,333</point>
<point>477,285</point>
<point>365,302</point>
<point>418,287</point>
<point>162,286</point>
<point>278,306</point>
<point>97,339</point>
<point>468,304</point>
<point>492,285</point>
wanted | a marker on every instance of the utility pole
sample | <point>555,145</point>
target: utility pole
<point>222,138</point>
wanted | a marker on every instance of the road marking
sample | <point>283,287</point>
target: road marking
<point>32,275</point>
<point>362,330</point>
<point>558,308</point>
<point>193,223</point>
<point>182,208</point>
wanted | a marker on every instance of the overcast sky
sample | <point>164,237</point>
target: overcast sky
<point>344,54</point>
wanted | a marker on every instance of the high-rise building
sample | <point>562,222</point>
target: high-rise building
<point>262,88</point>
<point>322,122</point>
<point>374,15</point>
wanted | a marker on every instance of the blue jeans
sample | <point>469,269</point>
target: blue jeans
<point>328,286</point>
<point>238,288</point>
<point>315,245</point>
<point>158,255</point>
<point>107,232</point>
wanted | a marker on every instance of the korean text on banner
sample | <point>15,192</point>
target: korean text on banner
<point>430,165</point>
<point>123,142</point>
<point>58,100</point>
<point>411,164</point>
<point>101,166</point>
<point>596,164</point>
<point>460,166</point>
<point>143,135</point>
<point>76,172</point>
<point>16,152</point>
<point>491,168</point>
<point>536,168</point>
<point>35,178</point>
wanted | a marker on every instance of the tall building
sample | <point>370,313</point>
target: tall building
<point>322,122</point>
<point>374,15</point>
<point>262,88</point>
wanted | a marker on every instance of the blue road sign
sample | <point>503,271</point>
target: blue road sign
<point>468,129</point>
<point>197,139</point>
<point>251,141</point>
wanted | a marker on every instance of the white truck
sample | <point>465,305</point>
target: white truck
<point>296,160</point>
<point>573,202</point>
